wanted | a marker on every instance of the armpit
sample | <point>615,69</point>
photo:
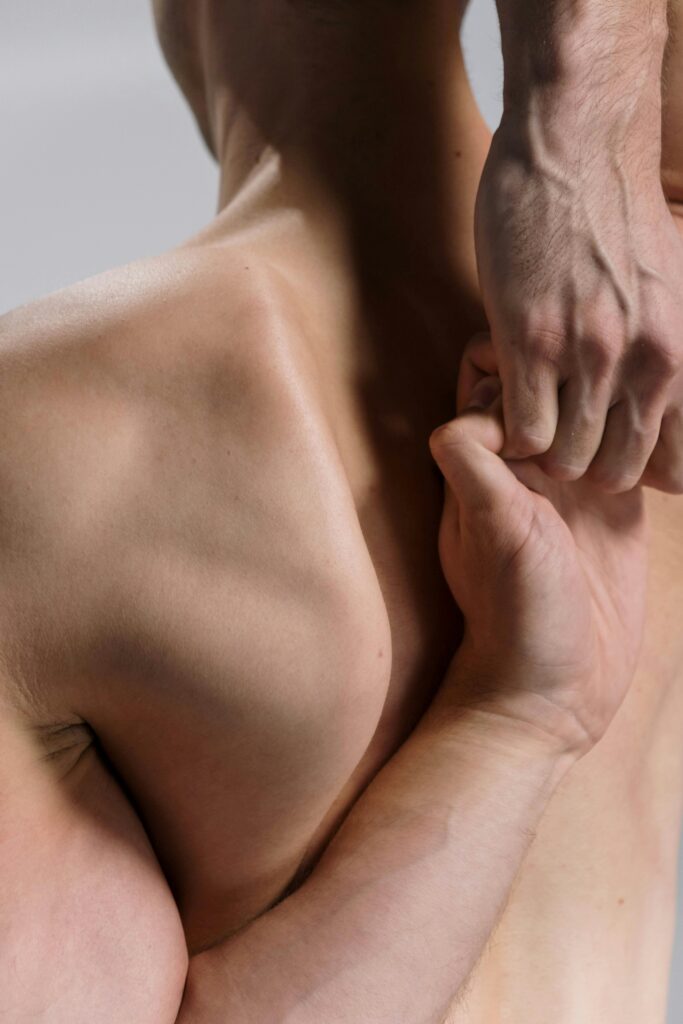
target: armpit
<point>62,744</point>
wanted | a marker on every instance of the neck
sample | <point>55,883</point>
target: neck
<point>362,110</point>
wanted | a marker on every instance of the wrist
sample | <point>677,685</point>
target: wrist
<point>521,713</point>
<point>582,68</point>
<point>506,747</point>
<point>556,139</point>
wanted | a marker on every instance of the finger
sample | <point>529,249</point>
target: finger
<point>665,468</point>
<point>466,450</point>
<point>485,393</point>
<point>531,409</point>
<point>583,409</point>
<point>478,361</point>
<point>627,444</point>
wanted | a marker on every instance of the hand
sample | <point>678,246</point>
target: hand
<point>581,270</point>
<point>550,578</point>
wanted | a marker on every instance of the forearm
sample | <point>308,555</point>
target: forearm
<point>394,918</point>
<point>586,74</point>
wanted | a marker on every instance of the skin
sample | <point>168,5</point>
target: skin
<point>579,262</point>
<point>416,874</point>
<point>219,551</point>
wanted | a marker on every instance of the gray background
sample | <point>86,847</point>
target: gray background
<point>100,163</point>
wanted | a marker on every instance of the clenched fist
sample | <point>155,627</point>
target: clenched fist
<point>581,269</point>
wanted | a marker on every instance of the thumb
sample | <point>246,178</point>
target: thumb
<point>467,451</point>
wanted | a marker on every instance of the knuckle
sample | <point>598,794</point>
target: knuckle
<point>658,357</point>
<point>558,467</point>
<point>600,354</point>
<point>667,361</point>
<point>543,344</point>
<point>528,439</point>
<point>541,330</point>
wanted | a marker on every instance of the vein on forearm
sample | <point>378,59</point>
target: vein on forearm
<point>608,49</point>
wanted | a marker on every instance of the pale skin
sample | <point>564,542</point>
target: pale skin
<point>219,549</point>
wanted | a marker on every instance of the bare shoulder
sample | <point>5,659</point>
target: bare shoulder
<point>79,426</point>
<point>178,545</point>
<point>163,439</point>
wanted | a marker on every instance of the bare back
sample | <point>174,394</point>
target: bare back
<point>222,611</point>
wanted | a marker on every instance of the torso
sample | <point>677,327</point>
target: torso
<point>232,579</point>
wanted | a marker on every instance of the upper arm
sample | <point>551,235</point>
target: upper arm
<point>89,929</point>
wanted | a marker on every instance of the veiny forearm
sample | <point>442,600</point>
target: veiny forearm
<point>586,73</point>
<point>391,923</point>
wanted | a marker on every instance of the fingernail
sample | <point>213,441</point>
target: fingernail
<point>485,393</point>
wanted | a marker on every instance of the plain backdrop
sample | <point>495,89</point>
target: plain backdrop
<point>100,162</point>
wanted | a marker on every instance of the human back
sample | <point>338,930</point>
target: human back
<point>206,622</point>
<point>206,570</point>
<point>255,509</point>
